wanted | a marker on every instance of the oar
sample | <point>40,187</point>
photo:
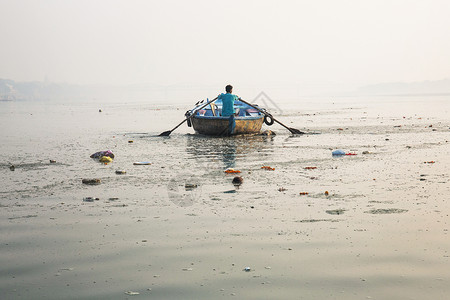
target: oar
<point>168,132</point>
<point>292,130</point>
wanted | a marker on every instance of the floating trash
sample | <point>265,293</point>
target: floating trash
<point>338,152</point>
<point>131,293</point>
<point>105,159</point>
<point>268,168</point>
<point>121,172</point>
<point>142,163</point>
<point>237,180</point>
<point>190,186</point>
<point>232,171</point>
<point>247,269</point>
<point>100,154</point>
<point>303,193</point>
<point>383,211</point>
<point>94,181</point>
<point>90,199</point>
<point>335,211</point>
<point>310,168</point>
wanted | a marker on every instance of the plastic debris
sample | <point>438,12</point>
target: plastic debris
<point>310,168</point>
<point>326,193</point>
<point>268,168</point>
<point>99,154</point>
<point>105,159</point>
<point>350,154</point>
<point>232,171</point>
<point>12,168</point>
<point>429,162</point>
<point>94,181</point>
<point>190,186</point>
<point>131,293</point>
<point>142,163</point>
<point>303,193</point>
<point>338,152</point>
<point>247,269</point>
<point>52,161</point>
<point>90,199</point>
<point>237,180</point>
<point>120,172</point>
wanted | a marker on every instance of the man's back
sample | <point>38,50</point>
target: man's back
<point>227,104</point>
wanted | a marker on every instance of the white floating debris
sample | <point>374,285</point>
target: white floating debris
<point>268,268</point>
<point>131,293</point>
<point>187,269</point>
<point>247,269</point>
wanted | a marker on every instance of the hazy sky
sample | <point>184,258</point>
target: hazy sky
<point>344,43</point>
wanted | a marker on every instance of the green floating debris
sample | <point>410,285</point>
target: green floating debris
<point>383,211</point>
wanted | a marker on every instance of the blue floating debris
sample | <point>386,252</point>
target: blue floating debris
<point>338,152</point>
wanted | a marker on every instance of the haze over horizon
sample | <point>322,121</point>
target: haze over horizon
<point>327,45</point>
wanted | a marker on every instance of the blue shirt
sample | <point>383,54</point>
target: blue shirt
<point>227,104</point>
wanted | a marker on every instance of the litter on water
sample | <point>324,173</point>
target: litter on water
<point>142,163</point>
<point>338,152</point>
<point>268,168</point>
<point>232,171</point>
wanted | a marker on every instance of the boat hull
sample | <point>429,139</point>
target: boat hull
<point>219,126</point>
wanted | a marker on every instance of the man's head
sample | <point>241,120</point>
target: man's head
<point>228,88</point>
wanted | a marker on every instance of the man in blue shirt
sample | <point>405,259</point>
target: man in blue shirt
<point>228,101</point>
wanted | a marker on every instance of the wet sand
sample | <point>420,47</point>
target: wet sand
<point>368,226</point>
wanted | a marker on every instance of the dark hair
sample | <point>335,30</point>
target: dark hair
<point>228,88</point>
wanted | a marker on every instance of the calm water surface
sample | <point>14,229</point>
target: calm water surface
<point>369,226</point>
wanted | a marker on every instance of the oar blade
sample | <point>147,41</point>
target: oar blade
<point>295,131</point>
<point>165,133</point>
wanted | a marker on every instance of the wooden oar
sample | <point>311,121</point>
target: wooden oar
<point>168,132</point>
<point>292,130</point>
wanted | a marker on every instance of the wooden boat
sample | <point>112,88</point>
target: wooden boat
<point>209,120</point>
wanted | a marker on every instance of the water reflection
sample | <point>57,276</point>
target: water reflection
<point>227,150</point>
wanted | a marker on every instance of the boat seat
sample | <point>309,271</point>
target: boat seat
<point>252,112</point>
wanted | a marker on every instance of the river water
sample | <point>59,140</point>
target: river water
<point>368,226</point>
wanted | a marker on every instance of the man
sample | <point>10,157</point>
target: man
<point>228,101</point>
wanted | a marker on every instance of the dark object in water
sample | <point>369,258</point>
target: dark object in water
<point>94,181</point>
<point>99,154</point>
<point>237,180</point>
<point>12,168</point>
<point>268,133</point>
<point>52,161</point>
